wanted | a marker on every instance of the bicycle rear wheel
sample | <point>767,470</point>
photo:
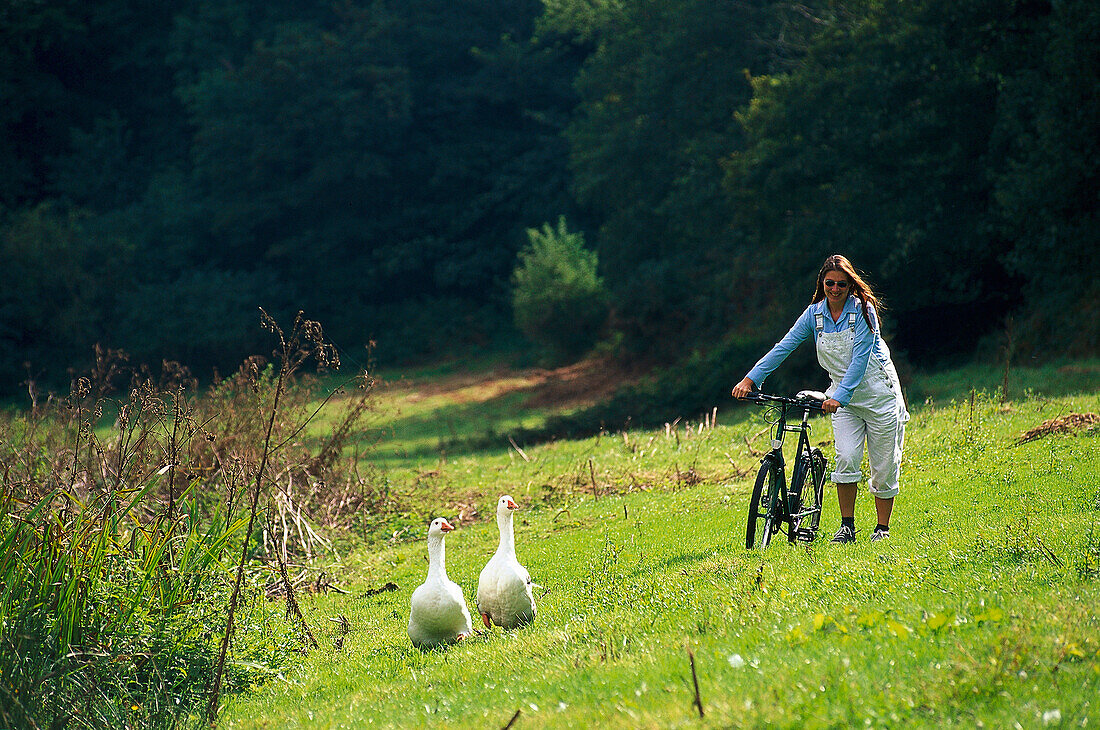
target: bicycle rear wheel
<point>818,467</point>
<point>762,506</point>
<point>808,481</point>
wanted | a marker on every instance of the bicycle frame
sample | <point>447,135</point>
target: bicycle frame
<point>783,504</point>
<point>803,431</point>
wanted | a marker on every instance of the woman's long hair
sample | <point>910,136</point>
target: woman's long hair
<point>859,287</point>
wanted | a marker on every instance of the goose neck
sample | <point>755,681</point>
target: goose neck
<point>437,557</point>
<point>507,535</point>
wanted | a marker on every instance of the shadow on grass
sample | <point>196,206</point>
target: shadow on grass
<point>486,427</point>
<point>464,428</point>
<point>690,557</point>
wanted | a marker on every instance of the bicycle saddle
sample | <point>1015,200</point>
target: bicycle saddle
<point>812,395</point>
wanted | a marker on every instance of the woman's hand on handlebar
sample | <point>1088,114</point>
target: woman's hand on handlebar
<point>743,388</point>
<point>830,405</point>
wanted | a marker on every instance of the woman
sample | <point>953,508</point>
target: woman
<point>865,397</point>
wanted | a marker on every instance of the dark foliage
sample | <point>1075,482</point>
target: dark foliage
<point>377,163</point>
<point>169,169</point>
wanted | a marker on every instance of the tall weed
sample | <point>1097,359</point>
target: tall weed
<point>119,520</point>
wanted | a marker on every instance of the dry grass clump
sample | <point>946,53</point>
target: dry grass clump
<point>162,433</point>
<point>1071,423</point>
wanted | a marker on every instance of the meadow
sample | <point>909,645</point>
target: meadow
<point>980,611</point>
<point>123,523</point>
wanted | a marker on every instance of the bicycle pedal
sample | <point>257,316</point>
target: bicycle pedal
<point>805,535</point>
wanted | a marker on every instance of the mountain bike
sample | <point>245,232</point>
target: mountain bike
<point>775,507</point>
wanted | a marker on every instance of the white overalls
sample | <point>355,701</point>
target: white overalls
<point>876,413</point>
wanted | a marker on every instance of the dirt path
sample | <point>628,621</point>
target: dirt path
<point>575,385</point>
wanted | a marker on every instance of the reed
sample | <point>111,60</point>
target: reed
<point>121,514</point>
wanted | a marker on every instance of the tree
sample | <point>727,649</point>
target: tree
<point>656,120</point>
<point>57,289</point>
<point>875,145</point>
<point>557,297</point>
<point>384,156</point>
<point>36,107</point>
<point>1046,188</point>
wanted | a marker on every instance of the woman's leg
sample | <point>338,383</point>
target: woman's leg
<point>846,496</point>
<point>885,440</point>
<point>849,433</point>
<point>883,507</point>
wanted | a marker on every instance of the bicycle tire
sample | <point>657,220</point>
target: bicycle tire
<point>803,501</point>
<point>762,505</point>
<point>808,481</point>
<point>819,465</point>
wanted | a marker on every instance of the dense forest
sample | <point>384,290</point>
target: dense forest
<point>168,168</point>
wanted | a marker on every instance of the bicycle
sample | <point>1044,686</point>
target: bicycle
<point>773,507</point>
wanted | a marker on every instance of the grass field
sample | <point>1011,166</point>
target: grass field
<point>980,611</point>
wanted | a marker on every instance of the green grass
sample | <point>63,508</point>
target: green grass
<point>1073,377</point>
<point>980,609</point>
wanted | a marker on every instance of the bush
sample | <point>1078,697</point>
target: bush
<point>558,299</point>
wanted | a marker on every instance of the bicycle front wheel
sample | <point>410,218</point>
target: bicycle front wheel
<point>761,525</point>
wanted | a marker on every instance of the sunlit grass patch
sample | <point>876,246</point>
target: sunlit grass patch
<point>976,610</point>
<point>979,608</point>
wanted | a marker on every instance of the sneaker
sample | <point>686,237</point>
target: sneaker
<point>880,535</point>
<point>844,535</point>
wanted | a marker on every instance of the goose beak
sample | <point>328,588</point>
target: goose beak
<point>446,526</point>
<point>512,505</point>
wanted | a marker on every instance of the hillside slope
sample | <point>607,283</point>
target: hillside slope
<point>979,610</point>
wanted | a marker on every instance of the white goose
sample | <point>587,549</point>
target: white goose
<point>438,613</point>
<point>504,586</point>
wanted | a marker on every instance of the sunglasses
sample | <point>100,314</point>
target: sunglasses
<point>838,284</point>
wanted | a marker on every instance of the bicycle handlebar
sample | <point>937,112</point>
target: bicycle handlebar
<point>805,399</point>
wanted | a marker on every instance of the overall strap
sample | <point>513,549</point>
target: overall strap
<point>819,323</point>
<point>851,320</point>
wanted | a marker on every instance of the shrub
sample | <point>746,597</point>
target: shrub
<point>558,299</point>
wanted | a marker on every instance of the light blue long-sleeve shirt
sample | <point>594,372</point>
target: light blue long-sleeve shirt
<point>868,343</point>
